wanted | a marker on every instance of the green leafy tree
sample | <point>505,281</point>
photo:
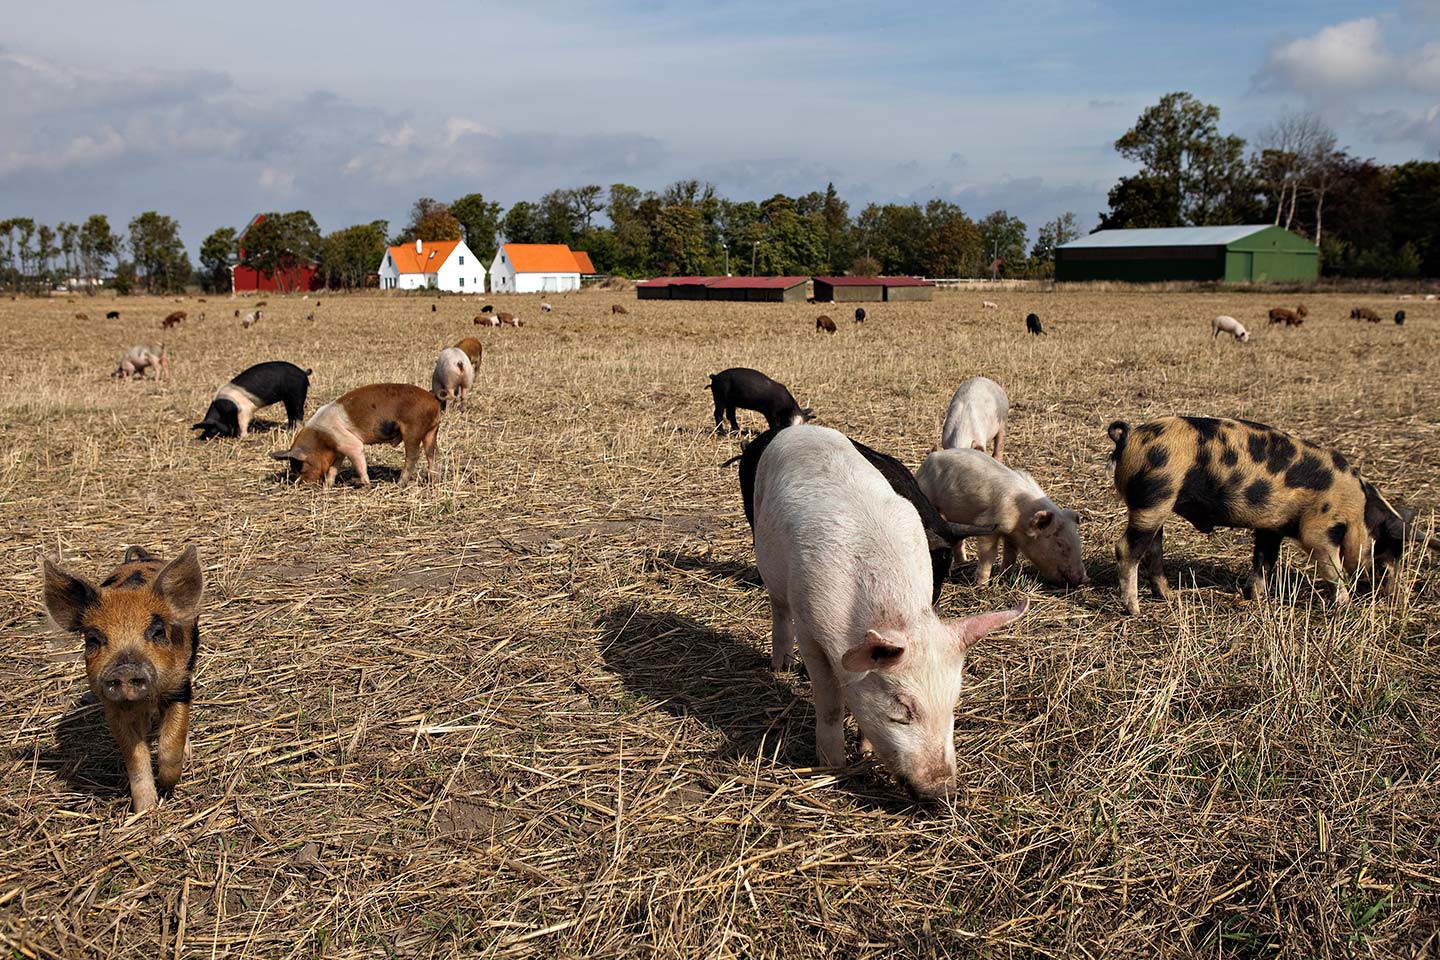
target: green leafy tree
<point>1415,212</point>
<point>281,245</point>
<point>1140,201</point>
<point>430,220</point>
<point>522,223</point>
<point>218,254</point>
<point>1199,174</point>
<point>98,246</point>
<point>159,256</point>
<point>348,257</point>
<point>479,221</point>
<point>1061,230</point>
<point>1003,238</point>
<point>952,245</point>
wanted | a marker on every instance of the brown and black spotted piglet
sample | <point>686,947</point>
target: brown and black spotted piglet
<point>1235,473</point>
<point>141,631</point>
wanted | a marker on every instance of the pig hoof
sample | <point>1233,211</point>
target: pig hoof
<point>1162,589</point>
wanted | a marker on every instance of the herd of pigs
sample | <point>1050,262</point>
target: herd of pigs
<point>852,547</point>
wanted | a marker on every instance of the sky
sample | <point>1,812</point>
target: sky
<point>212,114</point>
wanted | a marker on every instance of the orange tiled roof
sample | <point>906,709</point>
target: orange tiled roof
<point>582,260</point>
<point>432,254</point>
<point>540,257</point>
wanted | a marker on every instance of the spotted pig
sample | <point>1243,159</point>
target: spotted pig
<point>141,633</point>
<point>1235,473</point>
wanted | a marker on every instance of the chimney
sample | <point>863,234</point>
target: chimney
<point>418,244</point>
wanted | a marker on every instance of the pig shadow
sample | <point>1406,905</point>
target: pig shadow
<point>83,755</point>
<point>725,683</point>
<point>348,477</point>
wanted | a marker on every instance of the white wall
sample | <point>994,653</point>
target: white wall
<point>462,272</point>
<point>504,279</point>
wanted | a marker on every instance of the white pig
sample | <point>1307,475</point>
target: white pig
<point>144,361</point>
<point>454,375</point>
<point>1224,324</point>
<point>966,486</point>
<point>976,417</point>
<point>845,560</point>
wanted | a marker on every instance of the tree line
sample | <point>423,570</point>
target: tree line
<point>1369,219</point>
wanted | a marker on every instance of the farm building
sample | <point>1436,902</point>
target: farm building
<point>760,289</point>
<point>871,289</point>
<point>1233,254</point>
<point>245,279</point>
<point>537,268</point>
<point>432,265</point>
<point>582,261</point>
<point>656,289</point>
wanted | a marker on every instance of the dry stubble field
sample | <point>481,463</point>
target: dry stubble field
<point>527,709</point>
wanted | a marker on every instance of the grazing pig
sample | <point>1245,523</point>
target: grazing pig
<point>618,309</point>
<point>989,304</point>
<point>1364,313</point>
<point>1399,318</point>
<point>843,558</point>
<point>433,308</point>
<point>545,307</point>
<point>173,320</point>
<point>859,314</point>
<point>976,417</point>
<point>1032,325</point>
<point>487,320</point>
<point>487,308</point>
<point>141,632</point>
<point>751,390</point>
<point>254,388</point>
<point>1235,473</point>
<point>472,349</point>
<point>250,320</point>
<point>503,319</point>
<point>969,487</point>
<point>1291,318</point>
<point>453,376</point>
<point>262,303</point>
<point>82,316</point>
<point>112,314</point>
<point>941,536</point>
<point>388,413</point>
<point>1224,324</point>
<point>823,322</point>
<point>144,360</point>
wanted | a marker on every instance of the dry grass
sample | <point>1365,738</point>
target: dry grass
<point>527,710</point>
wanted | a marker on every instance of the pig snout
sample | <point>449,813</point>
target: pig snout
<point>128,680</point>
<point>930,787</point>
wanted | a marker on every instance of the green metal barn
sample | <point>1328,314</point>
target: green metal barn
<point>1232,254</point>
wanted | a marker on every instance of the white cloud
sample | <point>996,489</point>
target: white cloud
<point>457,127</point>
<point>1347,58</point>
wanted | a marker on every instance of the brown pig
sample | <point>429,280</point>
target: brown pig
<point>388,413</point>
<point>173,320</point>
<point>141,632</point>
<point>472,349</point>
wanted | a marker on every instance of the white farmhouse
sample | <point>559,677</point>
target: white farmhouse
<point>432,265</point>
<point>537,268</point>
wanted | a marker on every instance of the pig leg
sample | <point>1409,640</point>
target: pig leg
<point>428,443</point>
<point>1007,554</point>
<point>1155,566</point>
<point>999,451</point>
<point>829,704</point>
<point>174,738</point>
<point>782,636</point>
<point>1327,558</point>
<point>129,728</point>
<point>1267,552</point>
<point>985,550</point>
<point>357,457</point>
<point>1129,550</point>
<point>734,424</point>
<point>244,420</point>
<point>294,411</point>
<point>719,415</point>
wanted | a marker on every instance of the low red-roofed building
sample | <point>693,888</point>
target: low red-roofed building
<point>871,289</point>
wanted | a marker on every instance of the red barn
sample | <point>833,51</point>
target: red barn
<point>245,279</point>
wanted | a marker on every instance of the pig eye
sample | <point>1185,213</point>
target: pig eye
<point>94,639</point>
<point>155,633</point>
<point>901,712</point>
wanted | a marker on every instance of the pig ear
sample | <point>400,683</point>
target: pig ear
<point>875,652</point>
<point>967,631</point>
<point>807,413</point>
<point>288,455</point>
<point>133,554</point>
<point>1040,520</point>
<point>67,596</point>
<point>181,583</point>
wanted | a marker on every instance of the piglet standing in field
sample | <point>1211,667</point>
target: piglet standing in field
<point>969,487</point>
<point>823,322</point>
<point>384,413</point>
<point>751,390</point>
<point>859,314</point>
<point>254,388</point>
<point>141,632</point>
<point>976,417</point>
<point>452,378</point>
<point>146,361</point>
<point>1224,324</point>
<point>1032,325</point>
<point>843,558</point>
<point>1399,318</point>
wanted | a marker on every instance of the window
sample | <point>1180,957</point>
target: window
<point>462,281</point>
<point>462,261</point>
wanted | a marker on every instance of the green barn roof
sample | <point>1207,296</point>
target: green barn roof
<point>1167,237</point>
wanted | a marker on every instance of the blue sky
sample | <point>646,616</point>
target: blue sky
<point>352,112</point>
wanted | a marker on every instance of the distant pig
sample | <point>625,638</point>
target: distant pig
<point>751,390</point>
<point>823,322</point>
<point>969,487</point>
<point>144,361</point>
<point>473,349</point>
<point>1224,324</point>
<point>385,413</point>
<point>843,558</point>
<point>254,388</point>
<point>141,632</point>
<point>976,417</point>
<point>453,376</point>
